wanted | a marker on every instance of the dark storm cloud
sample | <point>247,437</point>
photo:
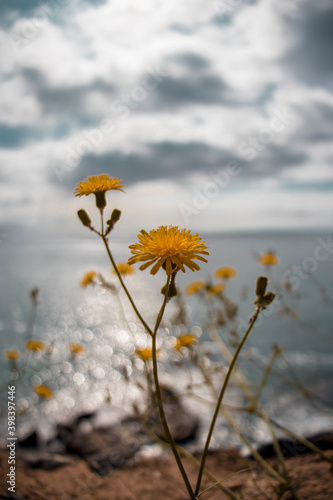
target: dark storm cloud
<point>166,160</point>
<point>310,55</point>
<point>13,10</point>
<point>196,89</point>
<point>65,101</point>
<point>178,161</point>
<point>191,60</point>
<point>12,137</point>
<point>316,123</point>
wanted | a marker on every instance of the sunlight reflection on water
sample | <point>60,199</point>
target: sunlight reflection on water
<point>106,376</point>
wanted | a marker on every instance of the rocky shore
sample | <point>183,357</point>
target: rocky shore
<point>83,461</point>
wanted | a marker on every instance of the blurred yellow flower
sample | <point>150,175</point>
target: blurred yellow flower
<point>168,247</point>
<point>185,340</point>
<point>124,269</point>
<point>12,355</point>
<point>88,279</point>
<point>98,184</point>
<point>35,345</point>
<point>194,287</point>
<point>146,353</point>
<point>216,289</point>
<point>269,259</point>
<point>76,348</point>
<point>43,391</point>
<point>225,273</point>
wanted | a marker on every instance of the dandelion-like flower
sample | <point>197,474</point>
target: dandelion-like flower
<point>185,340</point>
<point>225,273</point>
<point>168,247</point>
<point>124,269</point>
<point>146,353</point>
<point>12,354</point>
<point>35,345</point>
<point>216,289</point>
<point>43,391</point>
<point>98,185</point>
<point>194,287</point>
<point>76,348</point>
<point>269,259</point>
<point>88,279</point>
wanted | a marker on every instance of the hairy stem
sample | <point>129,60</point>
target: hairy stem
<point>219,401</point>
<point>159,396</point>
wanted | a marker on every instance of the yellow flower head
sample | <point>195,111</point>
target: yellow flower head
<point>76,348</point>
<point>216,289</point>
<point>12,355</point>
<point>269,259</point>
<point>185,340</point>
<point>35,345</point>
<point>98,184</point>
<point>146,353</point>
<point>225,273</point>
<point>170,247</point>
<point>124,269</point>
<point>195,287</point>
<point>88,279</point>
<point>43,391</point>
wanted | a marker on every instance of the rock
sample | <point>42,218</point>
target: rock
<point>292,447</point>
<point>30,441</point>
<point>182,424</point>
<point>44,460</point>
<point>323,440</point>
<point>107,448</point>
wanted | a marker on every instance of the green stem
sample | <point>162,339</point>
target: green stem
<point>219,401</point>
<point>159,396</point>
<point>102,222</point>
<point>148,329</point>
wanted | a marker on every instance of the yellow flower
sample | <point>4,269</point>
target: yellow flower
<point>98,184</point>
<point>269,259</point>
<point>12,355</point>
<point>195,287</point>
<point>76,348</point>
<point>43,391</point>
<point>170,247</point>
<point>216,289</point>
<point>185,340</point>
<point>88,279</point>
<point>225,273</point>
<point>146,353</point>
<point>35,345</point>
<point>124,269</point>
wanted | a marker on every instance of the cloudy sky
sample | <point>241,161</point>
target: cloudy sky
<point>217,115</point>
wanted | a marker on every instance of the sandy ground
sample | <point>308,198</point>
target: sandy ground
<point>159,479</point>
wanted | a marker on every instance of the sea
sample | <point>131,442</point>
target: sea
<point>109,376</point>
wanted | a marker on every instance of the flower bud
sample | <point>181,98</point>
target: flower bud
<point>261,286</point>
<point>115,216</point>
<point>84,218</point>
<point>267,299</point>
